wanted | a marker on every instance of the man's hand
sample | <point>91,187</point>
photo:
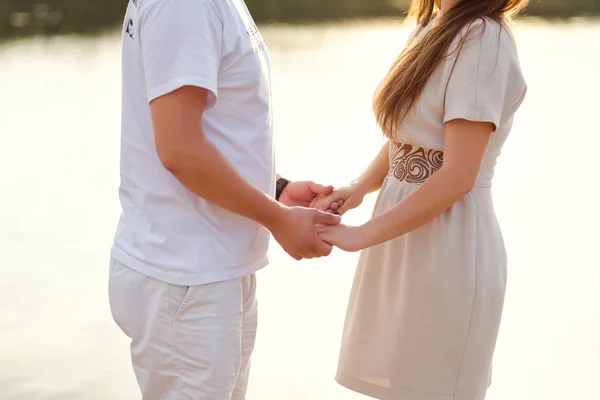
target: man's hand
<point>302,194</point>
<point>296,231</point>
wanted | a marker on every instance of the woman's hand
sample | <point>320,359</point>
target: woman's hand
<point>340,201</point>
<point>347,238</point>
<point>301,194</point>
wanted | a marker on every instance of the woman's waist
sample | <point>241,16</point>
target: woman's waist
<point>414,165</point>
<point>478,203</point>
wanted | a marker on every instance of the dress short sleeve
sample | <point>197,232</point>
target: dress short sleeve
<point>484,79</point>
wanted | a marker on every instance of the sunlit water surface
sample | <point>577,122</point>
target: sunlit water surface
<point>59,143</point>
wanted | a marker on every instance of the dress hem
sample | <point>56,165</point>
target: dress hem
<point>381,393</point>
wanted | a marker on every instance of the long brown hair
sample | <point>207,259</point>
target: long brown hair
<point>415,65</point>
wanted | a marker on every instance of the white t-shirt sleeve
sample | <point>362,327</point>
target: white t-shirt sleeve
<point>180,46</point>
<point>485,82</point>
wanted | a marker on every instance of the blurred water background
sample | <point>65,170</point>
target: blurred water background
<point>59,144</point>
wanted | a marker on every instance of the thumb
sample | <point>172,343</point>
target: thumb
<point>344,208</point>
<point>324,218</point>
<point>319,189</point>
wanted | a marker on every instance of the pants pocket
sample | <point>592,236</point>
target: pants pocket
<point>179,298</point>
<point>249,289</point>
<point>117,296</point>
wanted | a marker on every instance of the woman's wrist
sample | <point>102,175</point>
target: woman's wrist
<point>365,234</point>
<point>359,188</point>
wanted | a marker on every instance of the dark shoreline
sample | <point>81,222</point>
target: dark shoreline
<point>22,18</point>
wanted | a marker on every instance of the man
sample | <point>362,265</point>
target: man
<point>197,188</point>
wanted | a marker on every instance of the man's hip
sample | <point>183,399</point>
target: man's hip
<point>187,342</point>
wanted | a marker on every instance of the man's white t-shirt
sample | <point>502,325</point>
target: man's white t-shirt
<point>166,231</point>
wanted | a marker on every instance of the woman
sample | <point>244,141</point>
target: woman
<point>427,299</point>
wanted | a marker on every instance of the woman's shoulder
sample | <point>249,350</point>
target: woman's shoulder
<point>487,34</point>
<point>484,73</point>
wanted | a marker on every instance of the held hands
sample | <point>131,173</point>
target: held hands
<point>312,232</point>
<point>303,194</point>
<point>296,229</point>
<point>340,200</point>
<point>347,238</point>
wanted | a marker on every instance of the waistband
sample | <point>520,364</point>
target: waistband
<point>414,165</point>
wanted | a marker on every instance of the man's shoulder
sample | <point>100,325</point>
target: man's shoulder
<point>189,5</point>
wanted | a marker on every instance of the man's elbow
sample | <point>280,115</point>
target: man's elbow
<point>171,158</point>
<point>182,154</point>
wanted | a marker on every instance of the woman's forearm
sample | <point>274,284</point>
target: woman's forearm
<point>434,197</point>
<point>372,178</point>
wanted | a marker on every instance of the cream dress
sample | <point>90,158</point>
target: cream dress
<point>425,307</point>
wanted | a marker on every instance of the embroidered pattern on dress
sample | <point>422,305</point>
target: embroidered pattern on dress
<point>413,164</point>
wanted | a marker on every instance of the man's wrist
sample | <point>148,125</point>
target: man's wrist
<point>282,183</point>
<point>271,213</point>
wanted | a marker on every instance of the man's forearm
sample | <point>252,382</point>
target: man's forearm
<point>202,168</point>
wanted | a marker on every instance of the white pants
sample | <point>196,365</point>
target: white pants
<point>187,342</point>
